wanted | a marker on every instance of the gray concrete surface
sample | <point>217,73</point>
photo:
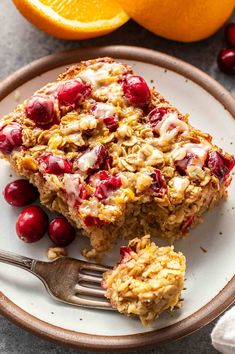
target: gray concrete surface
<point>20,43</point>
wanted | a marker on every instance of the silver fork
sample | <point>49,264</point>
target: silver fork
<point>68,280</point>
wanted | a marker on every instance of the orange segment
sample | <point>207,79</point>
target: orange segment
<point>73,19</point>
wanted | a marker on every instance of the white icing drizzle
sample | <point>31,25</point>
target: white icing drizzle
<point>199,150</point>
<point>103,79</point>
<point>104,110</point>
<point>98,72</point>
<point>167,133</point>
<point>87,160</point>
<point>59,161</point>
<point>72,187</point>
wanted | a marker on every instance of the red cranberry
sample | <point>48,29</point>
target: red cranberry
<point>77,193</point>
<point>106,185</point>
<point>219,165</point>
<point>83,193</point>
<point>71,92</point>
<point>226,61</point>
<point>97,177</point>
<point>136,89</point>
<point>40,109</point>
<point>102,155</point>
<point>158,185</point>
<point>156,115</point>
<point>10,137</point>
<point>111,123</point>
<point>94,159</point>
<point>230,34</point>
<point>181,165</point>
<point>125,253</point>
<point>20,193</point>
<point>61,232</point>
<point>91,221</point>
<point>31,224</point>
<point>54,164</point>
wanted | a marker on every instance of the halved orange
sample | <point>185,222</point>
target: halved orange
<point>180,20</point>
<point>73,19</point>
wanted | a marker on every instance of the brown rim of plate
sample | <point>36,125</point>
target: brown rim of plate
<point>136,341</point>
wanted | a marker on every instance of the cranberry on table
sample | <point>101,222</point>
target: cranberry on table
<point>54,164</point>
<point>31,224</point>
<point>61,232</point>
<point>136,89</point>
<point>230,34</point>
<point>10,137</point>
<point>72,92</point>
<point>20,193</point>
<point>40,109</point>
<point>226,61</point>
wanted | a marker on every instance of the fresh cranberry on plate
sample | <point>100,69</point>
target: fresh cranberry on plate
<point>20,193</point>
<point>31,224</point>
<point>61,232</point>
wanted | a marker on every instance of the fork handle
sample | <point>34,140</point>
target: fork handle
<point>17,260</point>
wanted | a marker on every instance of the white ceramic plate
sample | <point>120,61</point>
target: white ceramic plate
<point>207,272</point>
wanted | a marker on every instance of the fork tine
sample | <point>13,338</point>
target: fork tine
<point>90,278</point>
<point>95,267</point>
<point>103,305</point>
<point>82,290</point>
